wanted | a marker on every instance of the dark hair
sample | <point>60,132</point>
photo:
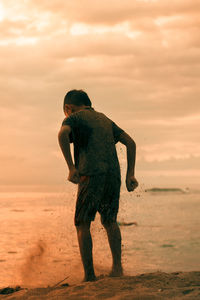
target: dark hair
<point>77,97</point>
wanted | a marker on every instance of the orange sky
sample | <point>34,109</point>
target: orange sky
<point>138,61</point>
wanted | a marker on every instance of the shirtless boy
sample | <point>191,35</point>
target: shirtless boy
<point>96,171</point>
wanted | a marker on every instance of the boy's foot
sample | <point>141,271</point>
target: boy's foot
<point>90,278</point>
<point>116,272</point>
<point>95,278</point>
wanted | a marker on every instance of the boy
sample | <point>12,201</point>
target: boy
<point>97,173</point>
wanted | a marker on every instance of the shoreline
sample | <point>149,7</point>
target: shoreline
<point>157,285</point>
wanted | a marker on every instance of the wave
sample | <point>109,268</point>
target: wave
<point>172,190</point>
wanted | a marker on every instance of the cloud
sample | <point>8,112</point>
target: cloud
<point>170,150</point>
<point>137,60</point>
<point>115,11</point>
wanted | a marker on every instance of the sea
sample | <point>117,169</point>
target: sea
<point>160,230</point>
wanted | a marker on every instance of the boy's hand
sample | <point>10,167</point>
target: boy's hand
<point>74,175</point>
<point>131,182</point>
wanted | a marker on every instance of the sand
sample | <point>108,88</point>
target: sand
<point>159,285</point>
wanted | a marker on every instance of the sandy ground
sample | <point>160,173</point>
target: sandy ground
<point>159,285</point>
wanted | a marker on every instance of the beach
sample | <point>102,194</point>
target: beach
<point>159,285</point>
<point>160,246</point>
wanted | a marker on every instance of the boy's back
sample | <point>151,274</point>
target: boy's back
<point>94,137</point>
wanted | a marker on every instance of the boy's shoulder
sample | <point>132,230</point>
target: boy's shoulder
<point>92,118</point>
<point>88,114</point>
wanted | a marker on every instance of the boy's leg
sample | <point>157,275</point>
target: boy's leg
<point>108,209</point>
<point>89,192</point>
<point>85,246</point>
<point>114,238</point>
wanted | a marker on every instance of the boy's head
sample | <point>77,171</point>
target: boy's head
<point>74,101</point>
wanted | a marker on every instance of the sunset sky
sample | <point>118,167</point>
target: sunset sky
<point>139,62</point>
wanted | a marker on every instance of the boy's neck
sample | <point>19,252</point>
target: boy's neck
<point>83,107</point>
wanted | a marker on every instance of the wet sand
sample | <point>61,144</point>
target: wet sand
<point>158,285</point>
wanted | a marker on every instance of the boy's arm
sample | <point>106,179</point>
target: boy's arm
<point>131,182</point>
<point>64,142</point>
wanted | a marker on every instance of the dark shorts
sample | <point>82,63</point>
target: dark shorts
<point>97,193</point>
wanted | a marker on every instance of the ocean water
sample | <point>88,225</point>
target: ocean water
<point>38,245</point>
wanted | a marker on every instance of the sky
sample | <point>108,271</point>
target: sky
<point>139,62</point>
